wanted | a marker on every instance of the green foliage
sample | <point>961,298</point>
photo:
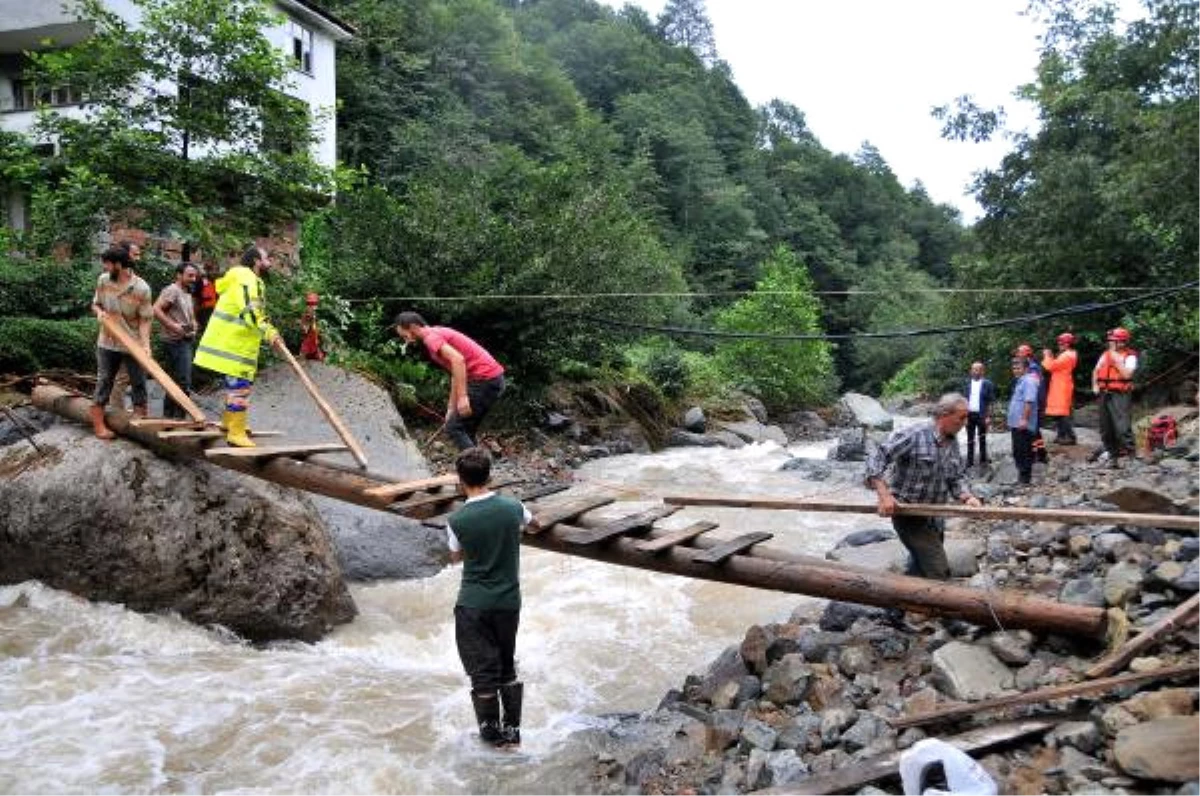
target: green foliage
<point>45,288</point>
<point>785,375</point>
<point>28,345</point>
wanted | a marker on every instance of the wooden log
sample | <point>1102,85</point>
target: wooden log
<point>851,777</point>
<point>982,607</point>
<point>134,347</point>
<point>393,491</point>
<point>1124,654</point>
<point>960,710</point>
<point>675,537</point>
<point>639,522</point>
<point>726,550</point>
<point>552,515</point>
<point>1068,517</point>
<point>273,451</point>
<point>334,419</point>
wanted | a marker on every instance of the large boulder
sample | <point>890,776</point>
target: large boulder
<point>862,410</point>
<point>370,544</point>
<point>112,521</point>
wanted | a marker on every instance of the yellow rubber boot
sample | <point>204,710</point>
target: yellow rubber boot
<point>235,430</point>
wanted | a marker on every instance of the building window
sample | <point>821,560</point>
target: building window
<point>302,47</point>
<point>27,95</point>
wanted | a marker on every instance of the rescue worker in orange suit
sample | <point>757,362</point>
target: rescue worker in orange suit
<point>310,346</point>
<point>230,344</point>
<point>1112,381</point>
<point>1061,394</point>
<point>1025,351</point>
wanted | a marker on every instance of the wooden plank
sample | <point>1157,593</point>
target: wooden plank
<point>271,451</point>
<point>850,778</point>
<point>540,491</point>
<point>189,433</point>
<point>723,551</point>
<point>1168,624</point>
<point>154,423</point>
<point>1070,517</point>
<point>334,419</point>
<point>409,487</point>
<point>421,504</point>
<point>134,347</point>
<point>552,515</point>
<point>675,537</point>
<point>962,709</point>
<point>639,523</point>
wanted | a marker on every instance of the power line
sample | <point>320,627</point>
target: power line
<point>1077,309</point>
<point>732,293</point>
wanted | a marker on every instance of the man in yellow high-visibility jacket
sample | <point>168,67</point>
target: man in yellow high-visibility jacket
<point>231,341</point>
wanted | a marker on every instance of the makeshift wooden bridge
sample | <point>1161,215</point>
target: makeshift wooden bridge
<point>568,526</point>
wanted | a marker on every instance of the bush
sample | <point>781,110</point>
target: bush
<point>28,345</point>
<point>45,288</point>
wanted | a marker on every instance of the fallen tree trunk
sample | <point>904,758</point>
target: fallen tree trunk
<point>1070,517</point>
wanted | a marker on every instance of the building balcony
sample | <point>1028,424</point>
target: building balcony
<point>27,25</point>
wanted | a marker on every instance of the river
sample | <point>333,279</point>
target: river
<point>98,699</point>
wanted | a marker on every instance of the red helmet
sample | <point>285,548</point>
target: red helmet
<point>1119,335</point>
<point>1024,350</point>
<point>1066,338</point>
<point>312,299</point>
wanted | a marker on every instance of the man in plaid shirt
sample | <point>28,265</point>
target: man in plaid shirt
<point>926,468</point>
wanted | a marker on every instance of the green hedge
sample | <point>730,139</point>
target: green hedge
<point>44,288</point>
<point>32,344</point>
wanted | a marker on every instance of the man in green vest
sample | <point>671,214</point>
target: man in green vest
<point>485,536</point>
<point>236,330</point>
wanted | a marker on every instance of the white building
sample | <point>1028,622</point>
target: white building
<point>306,33</point>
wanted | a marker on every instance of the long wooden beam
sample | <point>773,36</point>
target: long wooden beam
<point>113,327</point>
<point>1071,517</point>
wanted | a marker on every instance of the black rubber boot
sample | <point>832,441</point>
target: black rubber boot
<point>511,697</point>
<point>487,713</point>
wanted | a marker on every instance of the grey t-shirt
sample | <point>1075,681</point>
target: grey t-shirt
<point>178,305</point>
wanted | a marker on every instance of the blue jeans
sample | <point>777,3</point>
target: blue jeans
<point>178,364</point>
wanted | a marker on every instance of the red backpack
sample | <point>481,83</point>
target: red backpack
<point>1162,432</point>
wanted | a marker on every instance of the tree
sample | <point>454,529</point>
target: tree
<point>785,375</point>
<point>186,124</point>
<point>685,23</point>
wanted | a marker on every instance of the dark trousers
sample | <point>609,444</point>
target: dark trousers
<point>107,364</point>
<point>482,395</point>
<point>923,537</point>
<point>1116,429</point>
<point>487,642</point>
<point>976,423</point>
<point>177,361</point>
<point>1064,429</point>
<point>1022,449</point>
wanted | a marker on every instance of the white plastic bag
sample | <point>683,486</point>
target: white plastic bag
<point>963,775</point>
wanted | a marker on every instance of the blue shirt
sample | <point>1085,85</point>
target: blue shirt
<point>1026,392</point>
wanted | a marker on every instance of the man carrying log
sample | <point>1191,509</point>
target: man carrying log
<point>925,468</point>
<point>485,536</point>
<point>126,297</point>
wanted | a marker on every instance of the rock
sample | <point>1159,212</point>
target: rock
<point>970,672</point>
<point>889,556</point>
<point>856,659</point>
<point>30,421</point>
<point>1082,735</point>
<point>754,648</point>
<point>724,728</point>
<point>1012,646</point>
<point>803,734</point>
<point>752,431</point>
<point>850,447</point>
<point>1122,583</point>
<point>694,420</point>
<point>785,767</point>
<point>865,731</point>
<point>754,409</point>
<point>834,721</point>
<point>112,521</point>
<point>728,666</point>
<point>868,536</point>
<point>811,469</point>
<point>862,410</point>
<point>839,616</point>
<point>1140,498</point>
<point>963,556</point>
<point>1177,576</point>
<point>1161,704</point>
<point>557,421</point>
<point>1111,544</point>
<point>786,680</point>
<point>1164,749</point>
<point>678,438</point>
<point>1083,591</point>
<point>759,735</point>
<point>370,544</point>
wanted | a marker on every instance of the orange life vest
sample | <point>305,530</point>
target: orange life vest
<point>1109,378</point>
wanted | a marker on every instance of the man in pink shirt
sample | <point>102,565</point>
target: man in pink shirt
<point>476,378</point>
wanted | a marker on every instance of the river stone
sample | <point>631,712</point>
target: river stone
<point>1161,704</point>
<point>785,767</point>
<point>759,735</point>
<point>1013,647</point>
<point>970,672</point>
<point>1122,583</point>
<point>803,734</point>
<point>863,410</point>
<point>370,544</point>
<point>752,431</point>
<point>694,420</point>
<point>112,521</point>
<point>841,616</point>
<point>1082,735</point>
<point>1164,749</point>
<point>1139,497</point>
<point>1177,575</point>
<point>678,438</point>
<point>728,666</point>
<point>786,680</point>
<point>963,556</point>
<point>888,556</point>
<point>1083,591</point>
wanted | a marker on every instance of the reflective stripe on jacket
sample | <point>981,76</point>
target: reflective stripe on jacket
<point>1062,382</point>
<point>238,326</point>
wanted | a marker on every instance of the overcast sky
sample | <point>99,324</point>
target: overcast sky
<point>871,70</point>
